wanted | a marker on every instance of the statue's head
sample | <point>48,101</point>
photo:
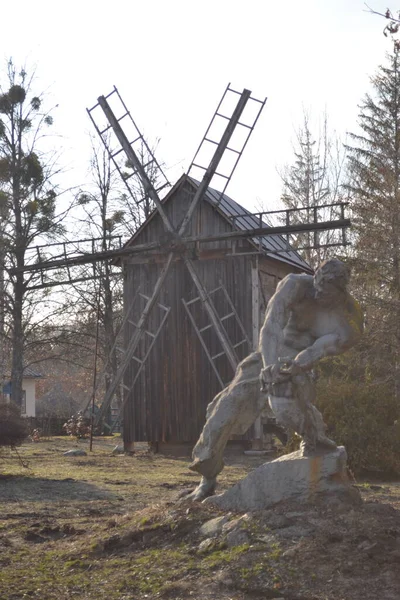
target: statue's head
<point>330,281</point>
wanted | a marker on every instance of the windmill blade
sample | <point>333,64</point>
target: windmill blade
<point>153,249</point>
<point>127,148</point>
<point>213,315</point>
<point>216,159</point>
<point>239,123</point>
<point>134,342</point>
<point>135,162</point>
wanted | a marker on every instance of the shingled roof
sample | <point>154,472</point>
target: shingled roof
<point>273,245</point>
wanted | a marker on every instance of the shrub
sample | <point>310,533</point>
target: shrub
<point>365,418</point>
<point>13,428</point>
<point>77,426</point>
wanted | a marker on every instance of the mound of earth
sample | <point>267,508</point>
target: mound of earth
<point>292,552</point>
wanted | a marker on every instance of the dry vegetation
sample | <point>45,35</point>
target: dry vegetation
<point>109,526</point>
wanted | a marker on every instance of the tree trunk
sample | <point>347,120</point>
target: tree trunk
<point>18,343</point>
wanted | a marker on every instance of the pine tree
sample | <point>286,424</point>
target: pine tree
<point>374,168</point>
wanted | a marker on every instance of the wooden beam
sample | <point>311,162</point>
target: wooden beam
<point>135,162</point>
<point>134,341</point>
<point>212,167</point>
<point>227,235</point>
<point>255,302</point>
<point>214,318</point>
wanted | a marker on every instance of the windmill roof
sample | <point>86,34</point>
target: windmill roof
<point>274,245</point>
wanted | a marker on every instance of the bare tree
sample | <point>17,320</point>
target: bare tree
<point>313,180</point>
<point>28,199</point>
<point>103,217</point>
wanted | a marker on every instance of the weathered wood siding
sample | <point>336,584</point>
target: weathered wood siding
<point>169,400</point>
<point>270,273</point>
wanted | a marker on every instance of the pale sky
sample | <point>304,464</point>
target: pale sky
<point>171,61</point>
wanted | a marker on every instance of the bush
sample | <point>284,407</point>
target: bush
<point>13,428</point>
<point>77,426</point>
<point>365,418</point>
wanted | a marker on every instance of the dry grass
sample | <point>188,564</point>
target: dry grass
<point>104,526</point>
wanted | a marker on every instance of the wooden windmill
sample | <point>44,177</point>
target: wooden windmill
<point>227,135</point>
<point>176,252</point>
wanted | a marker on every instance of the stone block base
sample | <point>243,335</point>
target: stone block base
<point>290,477</point>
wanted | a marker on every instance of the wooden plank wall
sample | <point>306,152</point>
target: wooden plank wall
<point>170,398</point>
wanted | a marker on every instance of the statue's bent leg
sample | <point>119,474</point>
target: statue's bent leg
<point>297,413</point>
<point>314,435</point>
<point>232,411</point>
<point>236,409</point>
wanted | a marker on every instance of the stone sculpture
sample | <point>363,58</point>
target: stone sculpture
<point>307,319</point>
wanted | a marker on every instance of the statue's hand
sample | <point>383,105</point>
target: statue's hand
<point>289,366</point>
<point>273,379</point>
<point>270,374</point>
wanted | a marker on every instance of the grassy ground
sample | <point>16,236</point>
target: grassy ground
<point>109,526</point>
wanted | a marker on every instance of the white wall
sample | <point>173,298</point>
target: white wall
<point>29,385</point>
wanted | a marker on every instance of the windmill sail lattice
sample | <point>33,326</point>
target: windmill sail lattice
<point>209,172</point>
<point>202,330</point>
<point>213,135</point>
<point>127,148</point>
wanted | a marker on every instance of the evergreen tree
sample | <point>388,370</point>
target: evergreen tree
<point>374,168</point>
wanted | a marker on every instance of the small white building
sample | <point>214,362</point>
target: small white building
<point>28,404</point>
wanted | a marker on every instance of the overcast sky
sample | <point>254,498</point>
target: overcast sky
<point>172,60</point>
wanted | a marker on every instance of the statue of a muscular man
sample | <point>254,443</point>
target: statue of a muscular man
<point>307,319</point>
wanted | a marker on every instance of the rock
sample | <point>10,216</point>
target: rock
<point>294,532</point>
<point>214,527</point>
<point>206,545</point>
<point>290,477</point>
<point>278,521</point>
<point>236,523</point>
<point>237,537</point>
<point>119,449</point>
<point>75,452</point>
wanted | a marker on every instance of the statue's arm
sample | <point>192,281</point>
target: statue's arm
<point>331,344</point>
<point>327,345</point>
<point>276,317</point>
